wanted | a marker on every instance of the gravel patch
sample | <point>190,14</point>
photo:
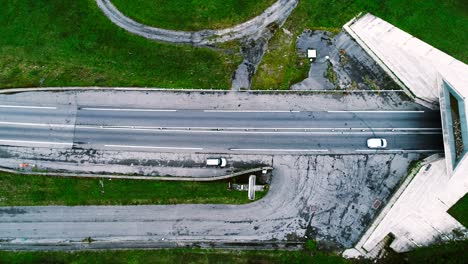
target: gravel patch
<point>341,64</point>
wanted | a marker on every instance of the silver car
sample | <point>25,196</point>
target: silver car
<point>376,143</point>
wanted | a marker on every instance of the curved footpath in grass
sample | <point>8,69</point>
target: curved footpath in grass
<point>276,13</point>
<point>191,15</point>
<point>53,43</point>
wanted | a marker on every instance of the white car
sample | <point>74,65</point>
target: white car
<point>376,143</point>
<point>220,162</point>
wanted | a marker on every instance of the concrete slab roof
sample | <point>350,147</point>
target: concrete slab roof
<point>413,61</point>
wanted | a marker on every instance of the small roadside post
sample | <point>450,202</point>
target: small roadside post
<point>251,191</point>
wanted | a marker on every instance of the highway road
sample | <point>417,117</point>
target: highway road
<point>309,194</point>
<point>211,130</point>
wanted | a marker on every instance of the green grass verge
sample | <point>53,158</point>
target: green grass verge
<point>71,43</point>
<point>460,211</point>
<point>19,190</point>
<point>280,66</point>
<point>452,253</point>
<point>192,15</point>
<point>440,23</point>
<point>169,256</point>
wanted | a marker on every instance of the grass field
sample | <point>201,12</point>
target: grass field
<point>192,15</point>
<point>440,23</point>
<point>169,256</point>
<point>71,43</point>
<point>452,253</point>
<point>18,190</point>
<point>460,211</point>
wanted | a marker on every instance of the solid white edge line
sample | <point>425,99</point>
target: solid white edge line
<point>398,150</point>
<point>29,107</point>
<point>34,142</point>
<point>278,150</point>
<point>249,111</point>
<point>127,109</point>
<point>376,111</point>
<point>36,124</point>
<point>151,147</point>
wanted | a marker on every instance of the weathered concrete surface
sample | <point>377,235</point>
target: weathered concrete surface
<point>251,29</point>
<point>200,100</point>
<point>328,198</point>
<point>262,172</point>
<point>124,162</point>
<point>415,63</point>
<point>352,68</point>
<point>417,216</point>
<point>252,50</point>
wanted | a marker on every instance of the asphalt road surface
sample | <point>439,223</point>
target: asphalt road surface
<point>223,131</point>
<point>326,197</point>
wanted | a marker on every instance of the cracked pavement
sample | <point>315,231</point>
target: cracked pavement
<point>328,198</point>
